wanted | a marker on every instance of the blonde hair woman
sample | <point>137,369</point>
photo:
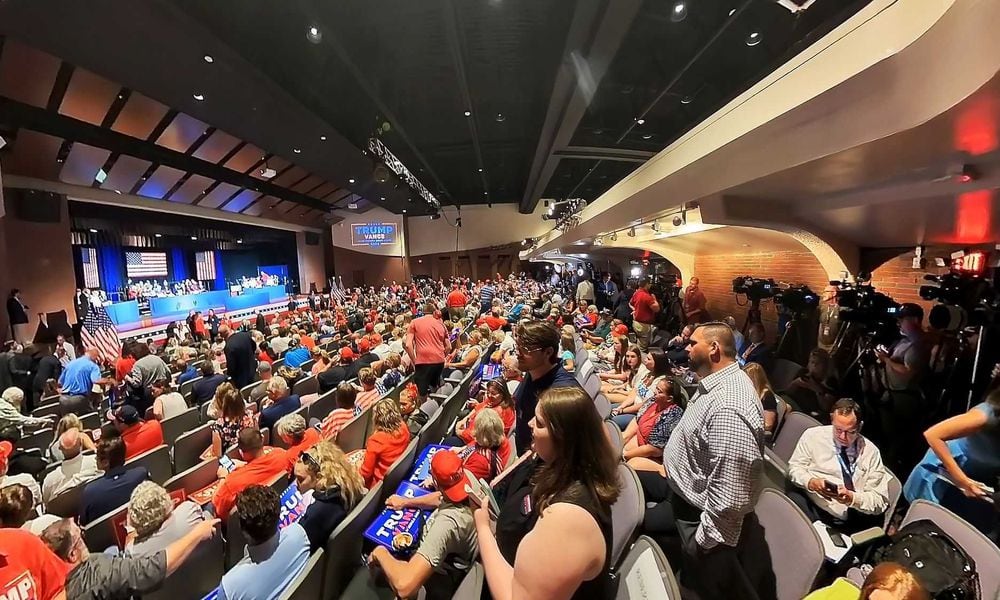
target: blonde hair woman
<point>386,444</point>
<point>70,421</point>
<point>336,488</point>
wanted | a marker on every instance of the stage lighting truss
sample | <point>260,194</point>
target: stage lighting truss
<point>382,152</point>
<point>569,213</point>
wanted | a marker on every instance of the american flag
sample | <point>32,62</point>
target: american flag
<point>204,263</point>
<point>338,291</point>
<point>146,264</point>
<point>88,257</point>
<point>98,331</point>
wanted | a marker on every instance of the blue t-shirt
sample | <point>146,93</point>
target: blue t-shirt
<point>189,374</point>
<point>294,358</point>
<point>79,377</point>
<point>269,568</point>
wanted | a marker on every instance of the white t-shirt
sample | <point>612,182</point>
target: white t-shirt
<point>173,404</point>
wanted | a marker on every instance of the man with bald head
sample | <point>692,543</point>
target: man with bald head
<point>241,355</point>
<point>713,461</point>
<point>75,469</point>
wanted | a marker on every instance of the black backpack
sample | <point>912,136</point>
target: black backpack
<point>946,570</point>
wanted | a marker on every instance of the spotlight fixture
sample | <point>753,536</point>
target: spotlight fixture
<point>199,97</point>
<point>679,220</point>
<point>753,39</point>
<point>732,12</point>
<point>468,113</point>
<point>194,237</point>
<point>239,241</point>
<point>599,241</point>
<point>631,231</point>
<point>679,12</point>
<point>655,226</point>
<point>267,172</point>
<point>404,211</point>
<point>351,180</point>
<point>93,230</point>
<point>209,59</point>
<point>322,138</point>
<point>297,150</point>
<point>158,235</point>
<point>500,118</point>
<point>314,35</point>
<point>614,236</point>
<point>480,169</point>
<point>383,198</point>
<point>647,136</point>
<point>640,121</point>
<point>101,176</point>
<point>435,216</point>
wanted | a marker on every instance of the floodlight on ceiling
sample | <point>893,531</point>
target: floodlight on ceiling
<point>679,12</point>
<point>680,219</point>
<point>199,97</point>
<point>209,59</point>
<point>313,34</point>
<point>655,226</point>
<point>795,6</point>
<point>614,236</point>
<point>753,38</point>
<point>631,231</point>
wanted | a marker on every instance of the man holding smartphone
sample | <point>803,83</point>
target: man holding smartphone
<point>839,473</point>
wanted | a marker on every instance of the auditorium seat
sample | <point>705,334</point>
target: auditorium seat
<point>895,490</point>
<point>645,574</point>
<point>245,390</point>
<point>444,389</point>
<point>615,436</point>
<point>323,406</point>
<point>592,385</point>
<point>197,576</point>
<point>471,587</point>
<point>185,388</point>
<point>309,584</point>
<point>795,550</point>
<point>983,552</point>
<point>343,549</point>
<point>307,385</point>
<point>47,410</point>
<point>40,440</point>
<point>430,408</point>
<point>354,434</point>
<point>179,424</point>
<point>399,469</point>
<point>99,535</point>
<point>434,429</point>
<point>189,446</point>
<point>156,461</point>
<point>783,372</point>
<point>196,478</point>
<point>786,440</point>
<point>67,503</point>
<point>626,512</point>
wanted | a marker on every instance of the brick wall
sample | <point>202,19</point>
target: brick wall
<point>716,273</point>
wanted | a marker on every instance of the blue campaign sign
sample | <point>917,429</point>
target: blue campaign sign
<point>293,506</point>
<point>391,523</point>
<point>373,234</point>
<point>422,468</point>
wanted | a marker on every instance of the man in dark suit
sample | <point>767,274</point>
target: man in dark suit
<point>81,304</point>
<point>757,350</point>
<point>213,321</point>
<point>241,356</point>
<point>17,313</point>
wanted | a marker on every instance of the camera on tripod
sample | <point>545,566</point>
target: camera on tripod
<point>964,300</point>
<point>798,299</point>
<point>873,313</point>
<point>755,288</point>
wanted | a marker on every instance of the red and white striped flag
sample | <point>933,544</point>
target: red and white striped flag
<point>91,278</point>
<point>98,331</point>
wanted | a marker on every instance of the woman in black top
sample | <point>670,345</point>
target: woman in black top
<point>571,485</point>
<point>336,487</point>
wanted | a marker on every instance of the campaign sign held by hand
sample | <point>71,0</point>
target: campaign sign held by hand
<point>293,505</point>
<point>391,523</point>
<point>422,468</point>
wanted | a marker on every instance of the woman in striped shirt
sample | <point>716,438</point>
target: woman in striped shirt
<point>344,397</point>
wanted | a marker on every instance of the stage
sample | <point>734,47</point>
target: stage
<point>129,323</point>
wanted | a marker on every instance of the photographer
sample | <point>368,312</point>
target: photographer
<point>901,406</point>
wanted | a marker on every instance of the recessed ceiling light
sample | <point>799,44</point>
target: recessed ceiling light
<point>480,170</point>
<point>209,59</point>
<point>93,231</point>
<point>239,241</point>
<point>500,118</point>
<point>297,150</point>
<point>468,113</point>
<point>199,97</point>
<point>647,136</point>
<point>314,35</point>
<point>194,237</point>
<point>383,197</point>
<point>158,235</point>
<point>351,180</point>
<point>404,211</point>
<point>679,12</point>
<point>322,138</point>
<point>640,121</point>
<point>753,39</point>
<point>732,12</point>
<point>687,99</point>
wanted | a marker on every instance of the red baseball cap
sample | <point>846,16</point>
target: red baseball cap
<point>369,327</point>
<point>621,330</point>
<point>449,475</point>
<point>346,353</point>
<point>364,345</point>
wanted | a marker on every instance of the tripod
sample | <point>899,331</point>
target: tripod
<point>798,339</point>
<point>753,316</point>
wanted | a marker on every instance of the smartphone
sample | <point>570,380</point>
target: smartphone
<point>227,463</point>
<point>830,486</point>
<point>836,538</point>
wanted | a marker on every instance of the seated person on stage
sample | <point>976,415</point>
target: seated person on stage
<point>113,489</point>
<point>279,402</point>
<point>204,389</point>
<point>447,542</point>
<point>814,390</point>
<point>139,436</point>
<point>258,468</point>
<point>858,494</point>
<point>387,442</point>
<point>757,350</point>
<point>273,558</point>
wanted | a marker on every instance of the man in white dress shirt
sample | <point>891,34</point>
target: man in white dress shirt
<point>839,473</point>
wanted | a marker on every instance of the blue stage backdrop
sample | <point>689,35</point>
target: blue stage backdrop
<point>220,276</point>
<point>179,264</point>
<point>111,267</point>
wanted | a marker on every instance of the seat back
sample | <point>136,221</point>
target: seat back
<point>197,576</point>
<point>309,584</point>
<point>185,387</point>
<point>433,430</point>
<point>602,405</point>
<point>592,385</point>
<point>236,540</point>
<point>323,406</point>
<point>584,369</point>
<point>90,421</point>
<point>47,410</point>
<point>783,372</point>
<point>195,478</point>
<point>895,490</point>
<point>791,431</point>
<point>783,409</point>
<point>176,425</point>
<point>614,436</point>
<point>354,433</point>
<point>100,534</point>
<point>645,574</point>
<point>471,587</point>
<point>445,389</point>
<point>626,512</point>
<point>156,461</point>
<point>189,446</point>
<point>984,552</point>
<point>399,469</point>
<point>307,385</point>
<point>343,549</point>
<point>795,549</point>
<point>67,503</point>
<point>39,440</point>
<point>245,390</point>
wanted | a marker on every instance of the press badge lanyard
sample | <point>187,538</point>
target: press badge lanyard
<point>847,466</point>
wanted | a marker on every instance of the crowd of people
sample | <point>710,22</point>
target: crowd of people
<point>153,288</point>
<point>695,412</point>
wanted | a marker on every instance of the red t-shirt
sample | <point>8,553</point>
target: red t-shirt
<point>456,299</point>
<point>260,471</point>
<point>646,423</point>
<point>140,438</point>
<point>382,449</point>
<point>430,340</point>
<point>309,439</point>
<point>506,414</point>
<point>478,463</point>
<point>642,305</point>
<point>122,368</point>
<point>28,569</point>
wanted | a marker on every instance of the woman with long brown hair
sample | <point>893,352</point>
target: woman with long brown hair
<point>767,398</point>
<point>565,492</point>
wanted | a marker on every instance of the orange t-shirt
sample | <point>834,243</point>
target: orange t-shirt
<point>307,342</point>
<point>309,439</point>
<point>382,449</point>
<point>142,437</point>
<point>259,471</point>
<point>28,569</point>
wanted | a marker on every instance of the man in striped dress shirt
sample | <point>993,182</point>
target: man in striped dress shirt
<point>714,460</point>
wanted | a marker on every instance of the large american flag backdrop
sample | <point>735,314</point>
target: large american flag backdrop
<point>204,263</point>
<point>99,332</point>
<point>88,258</point>
<point>139,265</point>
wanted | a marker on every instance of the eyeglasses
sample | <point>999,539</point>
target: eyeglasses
<point>522,350</point>
<point>847,432</point>
<point>310,461</point>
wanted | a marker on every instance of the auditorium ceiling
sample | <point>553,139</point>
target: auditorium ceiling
<point>484,101</point>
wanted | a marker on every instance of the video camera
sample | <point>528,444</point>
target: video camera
<point>873,312</point>
<point>754,288</point>
<point>798,299</point>
<point>964,300</point>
